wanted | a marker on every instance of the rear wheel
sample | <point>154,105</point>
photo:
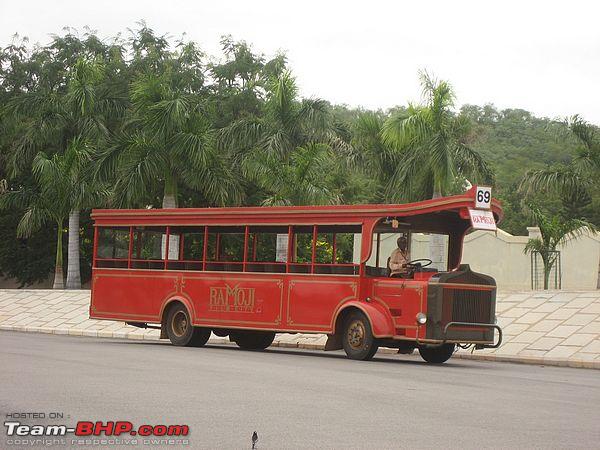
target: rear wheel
<point>253,340</point>
<point>180,330</point>
<point>437,355</point>
<point>358,340</point>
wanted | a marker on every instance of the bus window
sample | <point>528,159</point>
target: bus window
<point>267,249</point>
<point>148,250</point>
<point>430,246</point>
<point>113,247</point>
<point>225,250</point>
<point>301,260</point>
<point>334,249</point>
<point>384,243</point>
<point>421,245</point>
<point>333,245</point>
<point>186,248</point>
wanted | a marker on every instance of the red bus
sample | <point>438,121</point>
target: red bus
<point>251,272</point>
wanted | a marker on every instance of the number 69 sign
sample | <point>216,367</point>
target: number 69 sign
<point>483,197</point>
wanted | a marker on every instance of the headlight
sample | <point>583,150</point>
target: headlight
<point>421,319</point>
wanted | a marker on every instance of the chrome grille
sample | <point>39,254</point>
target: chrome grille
<point>462,305</point>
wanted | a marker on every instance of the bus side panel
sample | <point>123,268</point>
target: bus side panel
<point>236,300</point>
<point>404,299</point>
<point>130,295</point>
<point>313,300</point>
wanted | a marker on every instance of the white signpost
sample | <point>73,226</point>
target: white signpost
<point>483,197</point>
<point>282,248</point>
<point>482,218</point>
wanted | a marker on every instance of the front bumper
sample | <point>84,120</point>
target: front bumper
<point>475,325</point>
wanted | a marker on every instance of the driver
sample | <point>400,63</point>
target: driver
<point>399,257</point>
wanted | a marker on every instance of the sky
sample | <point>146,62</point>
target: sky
<point>542,56</point>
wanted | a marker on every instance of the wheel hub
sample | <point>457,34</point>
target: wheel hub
<point>356,334</point>
<point>179,325</point>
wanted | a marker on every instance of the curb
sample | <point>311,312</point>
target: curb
<point>153,336</point>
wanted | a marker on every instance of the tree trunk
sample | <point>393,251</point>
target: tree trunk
<point>548,263</point>
<point>59,282</point>
<point>437,245</point>
<point>73,266</point>
<point>170,193</point>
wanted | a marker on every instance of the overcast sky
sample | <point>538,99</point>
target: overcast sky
<point>541,56</point>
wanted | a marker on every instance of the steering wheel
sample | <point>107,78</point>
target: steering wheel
<point>416,263</point>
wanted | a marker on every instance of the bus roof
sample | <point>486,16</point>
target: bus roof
<point>327,214</point>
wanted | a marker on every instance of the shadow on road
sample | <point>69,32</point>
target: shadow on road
<point>387,359</point>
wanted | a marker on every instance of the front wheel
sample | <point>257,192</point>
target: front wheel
<point>358,340</point>
<point>437,355</point>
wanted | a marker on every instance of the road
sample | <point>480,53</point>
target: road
<point>296,398</point>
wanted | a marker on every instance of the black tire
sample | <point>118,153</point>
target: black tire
<point>437,355</point>
<point>180,330</point>
<point>200,337</point>
<point>254,340</point>
<point>358,340</point>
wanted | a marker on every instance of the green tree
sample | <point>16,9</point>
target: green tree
<point>167,140</point>
<point>576,180</point>
<point>372,156</point>
<point>554,232</point>
<point>59,186</point>
<point>294,135</point>
<point>56,119</point>
<point>241,81</point>
<point>433,145</point>
<point>299,180</point>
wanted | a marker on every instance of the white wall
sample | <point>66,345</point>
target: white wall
<point>501,256</point>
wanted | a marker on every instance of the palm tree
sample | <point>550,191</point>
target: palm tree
<point>294,135</point>
<point>554,232</point>
<point>300,180</point>
<point>577,178</point>
<point>61,189</point>
<point>55,120</point>
<point>370,155</point>
<point>167,141</point>
<point>431,144</point>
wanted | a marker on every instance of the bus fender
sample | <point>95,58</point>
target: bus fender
<point>165,306</point>
<point>379,318</point>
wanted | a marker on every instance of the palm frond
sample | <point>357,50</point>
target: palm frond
<point>472,165</point>
<point>561,179</point>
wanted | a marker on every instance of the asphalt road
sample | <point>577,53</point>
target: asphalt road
<point>298,399</point>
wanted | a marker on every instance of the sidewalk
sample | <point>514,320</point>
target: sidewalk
<point>550,328</point>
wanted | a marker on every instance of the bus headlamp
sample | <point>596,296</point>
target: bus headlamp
<point>421,319</point>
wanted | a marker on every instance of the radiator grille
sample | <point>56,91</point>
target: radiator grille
<point>462,305</point>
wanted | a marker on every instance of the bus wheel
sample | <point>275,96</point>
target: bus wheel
<point>200,337</point>
<point>437,355</point>
<point>358,340</point>
<point>180,330</point>
<point>254,340</point>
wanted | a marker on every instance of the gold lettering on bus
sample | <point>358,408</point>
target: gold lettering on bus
<point>231,299</point>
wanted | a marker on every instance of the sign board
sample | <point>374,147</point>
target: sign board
<point>483,197</point>
<point>282,248</point>
<point>482,220</point>
<point>173,246</point>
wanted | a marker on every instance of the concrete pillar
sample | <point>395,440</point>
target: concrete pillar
<point>534,232</point>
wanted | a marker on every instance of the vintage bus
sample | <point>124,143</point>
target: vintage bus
<point>251,272</point>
